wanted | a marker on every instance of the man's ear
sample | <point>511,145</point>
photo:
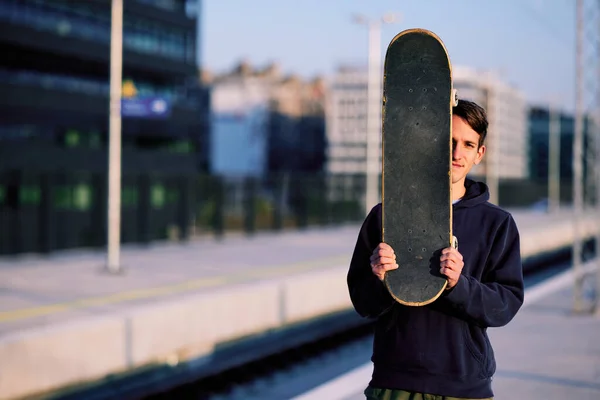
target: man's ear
<point>480,153</point>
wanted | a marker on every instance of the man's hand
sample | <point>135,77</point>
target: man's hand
<point>451,265</point>
<point>382,260</point>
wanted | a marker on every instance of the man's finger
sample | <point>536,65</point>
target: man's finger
<point>452,250</point>
<point>449,272</point>
<point>453,256</point>
<point>387,253</point>
<point>378,257</point>
<point>389,265</point>
<point>450,262</point>
<point>384,268</point>
<point>385,246</point>
<point>451,266</point>
<point>384,260</point>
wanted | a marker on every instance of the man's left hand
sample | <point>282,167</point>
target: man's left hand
<point>451,265</point>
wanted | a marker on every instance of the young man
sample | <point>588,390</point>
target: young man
<point>441,350</point>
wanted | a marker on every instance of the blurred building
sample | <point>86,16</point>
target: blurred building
<point>239,121</point>
<point>54,77</point>
<point>297,126</point>
<point>347,121</point>
<point>540,117</point>
<point>264,122</point>
<point>507,141</point>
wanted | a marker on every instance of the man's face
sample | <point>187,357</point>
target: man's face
<point>465,153</point>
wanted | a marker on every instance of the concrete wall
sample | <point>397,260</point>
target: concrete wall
<point>164,332</point>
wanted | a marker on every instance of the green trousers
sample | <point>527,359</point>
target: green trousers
<point>372,393</point>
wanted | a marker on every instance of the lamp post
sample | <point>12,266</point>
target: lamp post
<point>374,102</point>
<point>114,151</point>
<point>554,157</point>
<point>577,160</point>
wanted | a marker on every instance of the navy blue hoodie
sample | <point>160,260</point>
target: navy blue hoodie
<point>443,348</point>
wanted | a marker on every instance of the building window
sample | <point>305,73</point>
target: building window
<point>80,20</point>
<point>95,87</point>
<point>171,5</point>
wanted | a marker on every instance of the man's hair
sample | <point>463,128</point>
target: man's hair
<point>474,115</point>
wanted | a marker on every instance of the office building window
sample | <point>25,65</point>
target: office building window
<point>83,85</point>
<point>170,5</point>
<point>81,20</point>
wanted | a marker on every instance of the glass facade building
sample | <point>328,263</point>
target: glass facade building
<point>54,77</point>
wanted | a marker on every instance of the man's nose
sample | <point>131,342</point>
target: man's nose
<point>455,152</point>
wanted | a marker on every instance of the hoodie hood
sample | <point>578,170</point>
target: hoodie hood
<point>476,193</point>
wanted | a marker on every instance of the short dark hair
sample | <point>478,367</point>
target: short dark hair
<point>474,115</point>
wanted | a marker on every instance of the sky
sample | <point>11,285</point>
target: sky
<point>530,43</point>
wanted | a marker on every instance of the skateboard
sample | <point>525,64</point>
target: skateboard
<point>417,156</point>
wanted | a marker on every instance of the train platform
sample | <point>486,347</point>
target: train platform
<point>156,311</point>
<point>548,351</point>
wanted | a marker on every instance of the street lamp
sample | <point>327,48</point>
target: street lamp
<point>374,101</point>
<point>114,158</point>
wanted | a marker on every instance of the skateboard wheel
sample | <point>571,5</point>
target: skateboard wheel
<point>455,97</point>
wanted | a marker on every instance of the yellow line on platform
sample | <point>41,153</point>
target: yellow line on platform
<point>148,293</point>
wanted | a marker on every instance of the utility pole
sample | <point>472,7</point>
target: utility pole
<point>492,166</point>
<point>374,104</point>
<point>577,160</point>
<point>597,172</point>
<point>114,156</point>
<point>554,127</point>
<point>596,133</point>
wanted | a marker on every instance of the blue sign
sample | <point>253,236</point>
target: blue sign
<point>145,107</point>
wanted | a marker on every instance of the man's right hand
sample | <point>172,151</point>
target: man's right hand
<point>382,260</point>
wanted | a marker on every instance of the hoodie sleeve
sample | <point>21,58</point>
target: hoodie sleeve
<point>368,294</point>
<point>495,300</point>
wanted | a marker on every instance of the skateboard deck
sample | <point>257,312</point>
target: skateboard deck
<point>417,158</point>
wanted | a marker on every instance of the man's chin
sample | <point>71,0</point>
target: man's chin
<point>457,179</point>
